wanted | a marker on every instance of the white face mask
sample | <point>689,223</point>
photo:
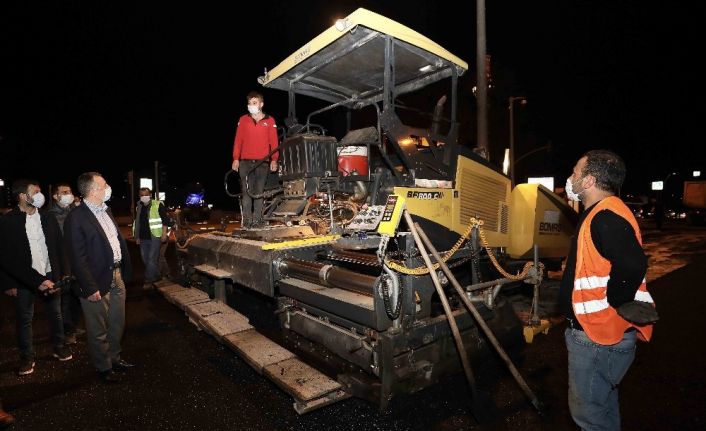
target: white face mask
<point>37,200</point>
<point>108,193</point>
<point>66,200</point>
<point>145,199</point>
<point>253,110</point>
<point>570,191</point>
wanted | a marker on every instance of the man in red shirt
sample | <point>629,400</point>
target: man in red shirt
<point>255,139</point>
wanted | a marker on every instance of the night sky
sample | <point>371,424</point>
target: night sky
<point>113,86</point>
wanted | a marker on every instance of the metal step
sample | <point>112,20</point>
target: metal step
<point>183,297</point>
<point>217,319</point>
<point>257,350</point>
<point>310,388</point>
<point>164,289</point>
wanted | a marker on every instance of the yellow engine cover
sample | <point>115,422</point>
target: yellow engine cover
<point>478,191</point>
<point>539,216</point>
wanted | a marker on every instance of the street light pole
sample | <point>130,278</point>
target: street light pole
<point>156,180</point>
<point>510,104</point>
<point>663,193</point>
<point>482,82</point>
<point>536,150</point>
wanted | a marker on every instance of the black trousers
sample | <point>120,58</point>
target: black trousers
<point>24,310</point>
<point>70,311</point>
<point>252,208</point>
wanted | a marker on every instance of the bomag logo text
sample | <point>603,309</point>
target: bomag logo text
<point>425,195</point>
<point>545,227</point>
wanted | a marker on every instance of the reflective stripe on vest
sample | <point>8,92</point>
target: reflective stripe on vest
<point>155,221</point>
<point>593,306</point>
<point>599,320</point>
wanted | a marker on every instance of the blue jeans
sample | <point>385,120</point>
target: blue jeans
<point>25,315</point>
<point>149,250</point>
<point>595,371</point>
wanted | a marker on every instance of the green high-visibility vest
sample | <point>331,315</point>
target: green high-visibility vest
<point>154,220</point>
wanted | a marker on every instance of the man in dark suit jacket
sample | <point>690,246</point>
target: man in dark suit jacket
<point>31,262</point>
<point>100,262</point>
<point>6,419</point>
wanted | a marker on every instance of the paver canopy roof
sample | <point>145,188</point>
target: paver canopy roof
<point>347,61</point>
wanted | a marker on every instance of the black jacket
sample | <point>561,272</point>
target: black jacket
<point>15,254</point>
<point>60,213</point>
<point>90,252</point>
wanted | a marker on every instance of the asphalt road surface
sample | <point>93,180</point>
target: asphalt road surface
<point>184,379</point>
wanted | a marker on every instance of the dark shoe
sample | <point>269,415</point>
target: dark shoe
<point>63,354</point>
<point>70,339</point>
<point>109,376</point>
<point>26,367</point>
<point>122,366</point>
<point>6,419</point>
<point>259,224</point>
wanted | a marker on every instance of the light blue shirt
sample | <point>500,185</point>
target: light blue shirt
<point>111,231</point>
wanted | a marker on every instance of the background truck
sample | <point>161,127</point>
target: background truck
<point>695,200</point>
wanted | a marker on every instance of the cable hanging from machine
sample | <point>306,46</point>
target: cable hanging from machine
<point>383,283</point>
